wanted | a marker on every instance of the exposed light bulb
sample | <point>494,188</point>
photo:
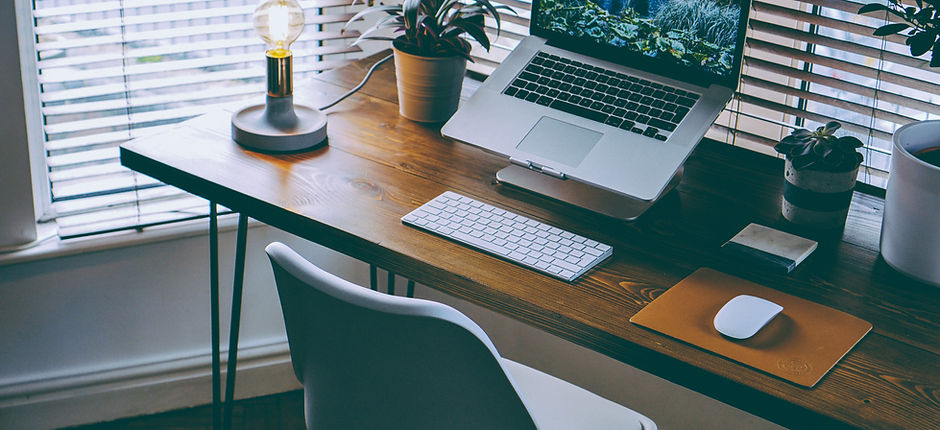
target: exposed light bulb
<point>279,125</point>
<point>279,23</point>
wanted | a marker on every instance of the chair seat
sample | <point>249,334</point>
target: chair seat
<point>558,404</point>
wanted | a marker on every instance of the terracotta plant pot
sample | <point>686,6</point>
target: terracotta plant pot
<point>817,199</point>
<point>428,87</point>
<point>910,227</point>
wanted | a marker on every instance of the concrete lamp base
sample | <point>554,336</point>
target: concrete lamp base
<point>279,126</point>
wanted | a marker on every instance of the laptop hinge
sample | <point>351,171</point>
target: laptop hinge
<point>538,168</point>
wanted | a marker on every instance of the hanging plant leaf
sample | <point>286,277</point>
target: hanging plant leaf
<point>871,7</point>
<point>921,43</point>
<point>923,21</point>
<point>935,57</point>
<point>889,29</point>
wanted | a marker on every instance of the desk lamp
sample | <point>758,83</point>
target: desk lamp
<point>279,125</point>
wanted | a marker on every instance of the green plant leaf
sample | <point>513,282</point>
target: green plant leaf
<point>475,30</point>
<point>921,43</point>
<point>871,7</point>
<point>409,9</point>
<point>385,8</point>
<point>800,163</point>
<point>851,141</point>
<point>889,29</point>
<point>935,56</point>
<point>389,21</point>
<point>442,11</point>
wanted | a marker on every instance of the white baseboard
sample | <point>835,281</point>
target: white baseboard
<point>140,390</point>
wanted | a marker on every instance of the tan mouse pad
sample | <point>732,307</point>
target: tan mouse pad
<point>800,344</point>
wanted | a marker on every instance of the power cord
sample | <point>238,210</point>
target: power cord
<point>357,87</point>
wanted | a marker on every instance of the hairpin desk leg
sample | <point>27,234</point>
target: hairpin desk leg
<point>214,314</point>
<point>373,277</point>
<point>411,289</point>
<point>390,284</point>
<point>236,318</point>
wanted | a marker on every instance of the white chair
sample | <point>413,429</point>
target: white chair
<point>368,360</point>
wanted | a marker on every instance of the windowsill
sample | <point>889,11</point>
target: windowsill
<point>51,246</point>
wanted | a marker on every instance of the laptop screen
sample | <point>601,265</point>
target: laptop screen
<point>690,40</point>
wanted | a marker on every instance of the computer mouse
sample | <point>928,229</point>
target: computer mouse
<point>744,315</point>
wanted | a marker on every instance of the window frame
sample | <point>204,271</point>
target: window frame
<point>25,153</point>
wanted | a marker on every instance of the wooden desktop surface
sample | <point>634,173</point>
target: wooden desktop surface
<point>378,166</point>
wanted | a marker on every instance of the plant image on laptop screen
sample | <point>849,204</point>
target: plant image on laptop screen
<point>696,33</point>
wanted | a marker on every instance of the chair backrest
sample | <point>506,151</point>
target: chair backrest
<point>372,361</point>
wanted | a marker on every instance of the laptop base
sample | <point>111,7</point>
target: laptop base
<point>580,194</point>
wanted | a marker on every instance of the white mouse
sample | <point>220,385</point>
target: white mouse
<point>744,315</point>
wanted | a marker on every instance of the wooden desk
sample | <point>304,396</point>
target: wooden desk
<point>378,166</point>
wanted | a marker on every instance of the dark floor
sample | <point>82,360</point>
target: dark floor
<point>279,411</point>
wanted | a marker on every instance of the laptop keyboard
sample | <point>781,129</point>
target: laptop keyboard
<point>616,99</point>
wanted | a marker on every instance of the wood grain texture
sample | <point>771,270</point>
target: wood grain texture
<point>378,166</point>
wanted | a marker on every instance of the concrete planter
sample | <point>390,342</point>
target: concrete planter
<point>910,228</point>
<point>817,199</point>
<point>428,87</point>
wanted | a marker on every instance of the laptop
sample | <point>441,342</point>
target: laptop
<point>612,94</point>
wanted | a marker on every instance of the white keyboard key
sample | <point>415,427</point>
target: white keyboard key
<point>522,240</point>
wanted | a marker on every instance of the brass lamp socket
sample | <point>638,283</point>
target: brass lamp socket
<point>279,62</point>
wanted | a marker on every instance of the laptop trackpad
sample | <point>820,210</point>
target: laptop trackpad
<point>559,141</point>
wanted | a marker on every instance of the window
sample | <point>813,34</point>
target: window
<point>806,63</point>
<point>114,70</point>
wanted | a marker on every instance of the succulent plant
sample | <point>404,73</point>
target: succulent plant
<point>433,28</point>
<point>821,149</point>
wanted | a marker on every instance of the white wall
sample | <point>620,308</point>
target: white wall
<point>119,318</point>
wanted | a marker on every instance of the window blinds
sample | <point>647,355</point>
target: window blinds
<point>110,71</point>
<point>806,63</point>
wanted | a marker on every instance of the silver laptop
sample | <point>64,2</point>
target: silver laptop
<point>614,94</point>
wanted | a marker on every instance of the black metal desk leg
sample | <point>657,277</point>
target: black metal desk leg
<point>236,318</point>
<point>390,283</point>
<point>373,278</point>
<point>214,314</point>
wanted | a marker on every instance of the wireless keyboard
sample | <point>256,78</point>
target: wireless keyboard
<point>516,238</point>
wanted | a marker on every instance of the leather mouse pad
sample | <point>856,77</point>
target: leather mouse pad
<point>799,345</point>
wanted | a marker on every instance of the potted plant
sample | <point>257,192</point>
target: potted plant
<point>910,234</point>
<point>820,174</point>
<point>431,52</point>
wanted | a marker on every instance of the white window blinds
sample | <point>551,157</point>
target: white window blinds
<point>111,71</point>
<point>806,63</point>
